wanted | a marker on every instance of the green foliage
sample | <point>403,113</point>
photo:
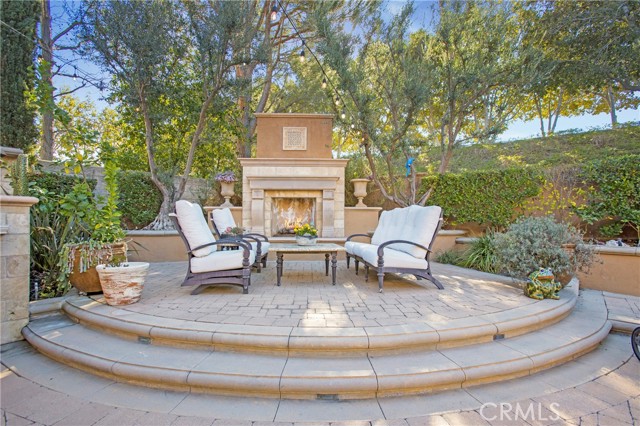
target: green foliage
<point>451,257</point>
<point>481,255</point>
<point>488,197</point>
<point>17,32</point>
<point>558,150</point>
<point>614,185</point>
<point>19,178</point>
<point>51,230</point>
<point>532,243</point>
<point>139,200</point>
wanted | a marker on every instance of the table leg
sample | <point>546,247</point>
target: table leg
<point>326,264</point>
<point>279,262</point>
<point>334,264</point>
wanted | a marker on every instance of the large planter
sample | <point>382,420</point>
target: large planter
<point>122,285</point>
<point>89,281</point>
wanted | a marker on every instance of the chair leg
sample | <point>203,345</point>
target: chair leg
<point>356,264</point>
<point>380,280</point>
<point>348,260</point>
<point>366,273</point>
<point>264,260</point>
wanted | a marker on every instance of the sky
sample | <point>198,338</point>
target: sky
<point>422,18</point>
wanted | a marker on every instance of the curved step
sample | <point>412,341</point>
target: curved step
<point>325,341</point>
<point>279,375</point>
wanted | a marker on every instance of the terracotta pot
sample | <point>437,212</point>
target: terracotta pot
<point>89,281</point>
<point>122,285</point>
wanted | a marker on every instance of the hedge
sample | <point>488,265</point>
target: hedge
<point>139,200</point>
<point>490,198</point>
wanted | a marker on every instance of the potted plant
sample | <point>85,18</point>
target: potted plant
<point>122,283</point>
<point>106,238</point>
<point>306,234</point>
<point>227,180</point>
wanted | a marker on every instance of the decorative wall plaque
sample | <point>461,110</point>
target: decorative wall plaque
<point>294,138</point>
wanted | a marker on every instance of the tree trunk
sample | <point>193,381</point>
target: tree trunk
<point>46,147</point>
<point>611,100</point>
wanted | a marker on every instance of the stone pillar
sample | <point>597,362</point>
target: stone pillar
<point>14,265</point>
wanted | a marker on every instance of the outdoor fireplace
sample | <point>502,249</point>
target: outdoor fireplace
<point>293,177</point>
<point>287,213</point>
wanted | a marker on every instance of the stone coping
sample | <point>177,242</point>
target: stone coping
<point>151,322</point>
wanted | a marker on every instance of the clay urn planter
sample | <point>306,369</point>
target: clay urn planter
<point>123,284</point>
<point>84,258</point>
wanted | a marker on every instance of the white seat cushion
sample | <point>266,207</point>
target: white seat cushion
<point>194,227</point>
<point>220,260</point>
<point>351,246</point>
<point>264,246</point>
<point>223,219</point>
<point>393,258</point>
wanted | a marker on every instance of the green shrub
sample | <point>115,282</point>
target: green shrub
<point>481,255</point>
<point>139,200</point>
<point>50,231</point>
<point>536,242</point>
<point>613,188</point>
<point>450,257</point>
<point>490,198</point>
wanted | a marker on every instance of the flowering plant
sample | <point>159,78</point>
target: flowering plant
<point>227,177</point>
<point>305,230</point>
<point>236,230</point>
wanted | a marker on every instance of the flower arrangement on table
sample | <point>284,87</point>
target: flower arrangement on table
<point>305,230</point>
<point>236,230</point>
<point>226,177</point>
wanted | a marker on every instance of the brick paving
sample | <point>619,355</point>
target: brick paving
<point>611,397</point>
<point>313,302</point>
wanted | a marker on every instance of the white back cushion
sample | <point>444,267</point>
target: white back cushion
<point>413,223</point>
<point>194,227</point>
<point>223,219</point>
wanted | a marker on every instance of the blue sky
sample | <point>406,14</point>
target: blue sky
<point>422,18</point>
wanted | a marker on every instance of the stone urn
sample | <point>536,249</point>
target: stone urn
<point>360,190</point>
<point>226,190</point>
<point>122,285</point>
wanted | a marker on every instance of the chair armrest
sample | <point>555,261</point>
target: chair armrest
<point>245,245</point>
<point>387,243</point>
<point>358,235</point>
<point>256,235</point>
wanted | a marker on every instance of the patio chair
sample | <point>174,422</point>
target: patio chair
<point>222,220</point>
<point>208,265</point>
<point>401,243</point>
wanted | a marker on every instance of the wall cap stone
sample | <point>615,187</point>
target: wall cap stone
<point>17,201</point>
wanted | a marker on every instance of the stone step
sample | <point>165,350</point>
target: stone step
<point>321,341</point>
<point>202,369</point>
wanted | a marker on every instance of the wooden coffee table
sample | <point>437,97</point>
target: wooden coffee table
<point>326,249</point>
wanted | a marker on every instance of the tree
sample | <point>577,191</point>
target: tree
<point>386,79</point>
<point>48,44</point>
<point>429,88</point>
<point>279,41</point>
<point>19,18</point>
<point>598,37</point>
<point>144,45</point>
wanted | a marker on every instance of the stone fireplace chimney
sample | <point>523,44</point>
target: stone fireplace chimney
<point>293,178</point>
